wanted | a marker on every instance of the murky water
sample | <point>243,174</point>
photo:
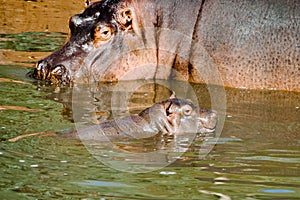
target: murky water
<point>256,157</point>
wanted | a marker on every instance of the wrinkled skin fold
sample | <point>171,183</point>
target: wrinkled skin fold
<point>253,44</point>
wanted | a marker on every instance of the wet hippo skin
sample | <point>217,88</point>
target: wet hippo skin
<point>254,44</point>
<point>172,116</point>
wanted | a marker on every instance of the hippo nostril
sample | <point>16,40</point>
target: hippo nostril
<point>58,70</point>
<point>40,66</point>
<point>42,70</point>
<point>59,73</point>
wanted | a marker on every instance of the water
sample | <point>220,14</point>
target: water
<point>256,157</point>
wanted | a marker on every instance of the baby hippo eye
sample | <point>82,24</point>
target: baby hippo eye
<point>187,110</point>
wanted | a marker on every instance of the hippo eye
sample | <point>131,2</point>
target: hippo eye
<point>103,33</point>
<point>187,110</point>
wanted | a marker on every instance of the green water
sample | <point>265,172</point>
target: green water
<point>256,157</point>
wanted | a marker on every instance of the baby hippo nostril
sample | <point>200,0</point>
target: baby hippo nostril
<point>214,114</point>
<point>213,118</point>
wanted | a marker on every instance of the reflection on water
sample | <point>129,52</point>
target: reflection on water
<point>256,157</point>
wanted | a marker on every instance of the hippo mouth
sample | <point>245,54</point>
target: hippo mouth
<point>206,130</point>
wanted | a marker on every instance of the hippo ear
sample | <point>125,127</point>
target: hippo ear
<point>124,18</point>
<point>87,3</point>
<point>173,95</point>
<point>171,109</point>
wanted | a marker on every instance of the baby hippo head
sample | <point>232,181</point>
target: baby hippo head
<point>185,117</point>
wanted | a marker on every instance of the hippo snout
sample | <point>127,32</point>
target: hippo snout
<point>208,120</point>
<point>56,73</point>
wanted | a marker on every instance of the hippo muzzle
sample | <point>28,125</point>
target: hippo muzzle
<point>207,121</point>
<point>57,74</point>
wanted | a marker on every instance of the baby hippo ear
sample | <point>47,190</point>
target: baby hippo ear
<point>124,18</point>
<point>172,109</point>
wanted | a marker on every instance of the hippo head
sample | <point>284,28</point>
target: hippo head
<point>95,29</point>
<point>188,117</point>
<point>180,116</point>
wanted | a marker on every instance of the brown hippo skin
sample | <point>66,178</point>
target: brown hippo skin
<point>253,44</point>
<point>172,116</point>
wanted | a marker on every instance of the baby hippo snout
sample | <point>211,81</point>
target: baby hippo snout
<point>207,120</point>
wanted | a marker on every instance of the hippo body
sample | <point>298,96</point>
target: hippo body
<point>173,116</point>
<point>253,44</point>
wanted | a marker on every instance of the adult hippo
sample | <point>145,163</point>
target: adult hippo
<point>252,44</point>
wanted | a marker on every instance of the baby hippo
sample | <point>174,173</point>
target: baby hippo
<point>172,116</point>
